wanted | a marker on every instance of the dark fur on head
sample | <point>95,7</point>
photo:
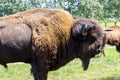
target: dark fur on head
<point>89,34</point>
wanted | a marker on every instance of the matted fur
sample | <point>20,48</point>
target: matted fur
<point>113,36</point>
<point>54,39</point>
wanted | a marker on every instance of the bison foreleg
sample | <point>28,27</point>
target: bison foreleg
<point>118,48</point>
<point>38,70</point>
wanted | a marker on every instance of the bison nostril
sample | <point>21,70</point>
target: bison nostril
<point>98,51</point>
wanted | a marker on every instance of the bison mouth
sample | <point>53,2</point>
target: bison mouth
<point>85,64</point>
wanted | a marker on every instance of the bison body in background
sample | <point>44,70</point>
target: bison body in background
<point>15,43</point>
<point>56,39</point>
<point>113,36</point>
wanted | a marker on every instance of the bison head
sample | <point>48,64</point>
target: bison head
<point>89,38</point>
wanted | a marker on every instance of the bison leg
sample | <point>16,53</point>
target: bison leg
<point>39,69</point>
<point>118,48</point>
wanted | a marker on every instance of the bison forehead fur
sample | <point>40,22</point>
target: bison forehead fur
<point>57,38</point>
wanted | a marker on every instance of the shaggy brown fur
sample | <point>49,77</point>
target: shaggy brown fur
<point>57,38</point>
<point>113,36</point>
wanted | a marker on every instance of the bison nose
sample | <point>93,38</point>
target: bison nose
<point>98,51</point>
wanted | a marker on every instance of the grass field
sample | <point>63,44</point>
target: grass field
<point>101,68</point>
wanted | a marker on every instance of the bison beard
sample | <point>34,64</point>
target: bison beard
<point>56,40</point>
<point>113,36</point>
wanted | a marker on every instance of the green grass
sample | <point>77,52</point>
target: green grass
<point>100,68</point>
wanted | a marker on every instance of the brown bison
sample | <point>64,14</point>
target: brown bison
<point>113,36</point>
<point>48,39</point>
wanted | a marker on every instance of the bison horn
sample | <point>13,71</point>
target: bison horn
<point>79,30</point>
<point>84,30</point>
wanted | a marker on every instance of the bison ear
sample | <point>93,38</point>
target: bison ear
<point>78,30</point>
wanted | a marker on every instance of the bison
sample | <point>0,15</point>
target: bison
<point>48,39</point>
<point>113,36</point>
<point>15,43</point>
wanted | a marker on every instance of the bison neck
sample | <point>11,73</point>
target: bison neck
<point>65,54</point>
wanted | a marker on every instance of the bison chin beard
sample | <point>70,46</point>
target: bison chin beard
<point>85,64</point>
